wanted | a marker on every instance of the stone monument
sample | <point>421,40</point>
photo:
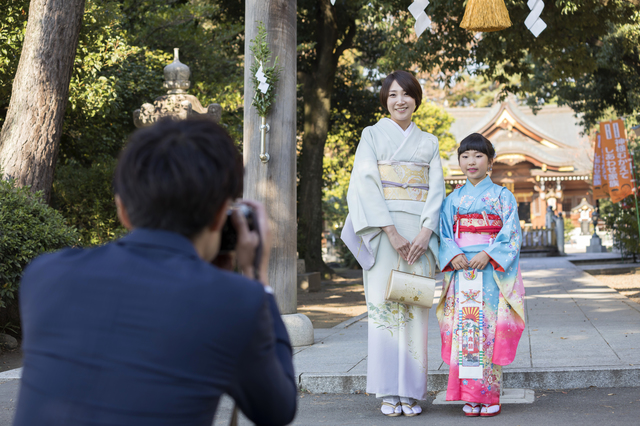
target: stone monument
<point>177,103</point>
<point>595,246</point>
<point>584,210</point>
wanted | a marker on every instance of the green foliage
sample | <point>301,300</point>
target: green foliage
<point>435,120</point>
<point>622,217</point>
<point>29,228</point>
<point>84,196</point>
<point>122,50</point>
<point>210,35</point>
<point>568,227</point>
<point>587,57</point>
<point>13,22</point>
<point>262,55</point>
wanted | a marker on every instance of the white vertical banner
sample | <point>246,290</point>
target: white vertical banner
<point>470,325</point>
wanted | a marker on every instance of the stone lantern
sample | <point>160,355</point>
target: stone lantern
<point>177,103</point>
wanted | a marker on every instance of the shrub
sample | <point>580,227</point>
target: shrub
<point>28,227</point>
<point>84,196</point>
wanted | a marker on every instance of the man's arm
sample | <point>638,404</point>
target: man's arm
<point>266,390</point>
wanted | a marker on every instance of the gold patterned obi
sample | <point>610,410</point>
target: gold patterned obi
<point>403,180</point>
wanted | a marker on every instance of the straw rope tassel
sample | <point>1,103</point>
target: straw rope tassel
<point>485,16</point>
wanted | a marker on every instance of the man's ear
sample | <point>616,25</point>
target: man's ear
<point>220,218</point>
<point>122,213</point>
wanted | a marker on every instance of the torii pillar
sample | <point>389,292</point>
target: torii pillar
<point>274,182</point>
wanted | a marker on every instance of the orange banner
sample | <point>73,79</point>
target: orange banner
<point>617,162</point>
<point>600,189</point>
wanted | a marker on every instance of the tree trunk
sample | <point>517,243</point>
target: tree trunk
<point>317,90</point>
<point>274,183</point>
<point>31,133</point>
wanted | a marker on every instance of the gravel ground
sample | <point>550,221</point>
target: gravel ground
<point>626,284</point>
<point>340,299</point>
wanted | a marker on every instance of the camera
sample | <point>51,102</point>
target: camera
<point>229,235</point>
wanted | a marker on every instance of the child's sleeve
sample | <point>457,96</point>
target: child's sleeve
<point>506,247</point>
<point>448,247</point>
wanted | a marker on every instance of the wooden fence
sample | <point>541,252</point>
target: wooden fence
<point>539,239</point>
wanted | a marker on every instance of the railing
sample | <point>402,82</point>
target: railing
<point>544,241</point>
<point>539,239</point>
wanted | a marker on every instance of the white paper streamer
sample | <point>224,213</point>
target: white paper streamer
<point>533,21</point>
<point>417,9</point>
<point>262,78</point>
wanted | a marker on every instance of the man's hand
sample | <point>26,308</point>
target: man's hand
<point>248,242</point>
<point>419,245</point>
<point>479,261</point>
<point>398,242</point>
<point>460,262</point>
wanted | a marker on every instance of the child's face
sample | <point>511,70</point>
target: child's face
<point>474,165</point>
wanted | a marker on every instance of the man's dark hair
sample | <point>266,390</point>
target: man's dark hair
<point>477,142</point>
<point>176,175</point>
<point>407,81</point>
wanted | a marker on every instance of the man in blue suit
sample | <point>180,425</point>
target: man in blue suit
<point>145,330</point>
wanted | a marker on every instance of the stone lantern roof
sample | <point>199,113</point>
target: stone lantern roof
<point>177,103</point>
<point>176,75</point>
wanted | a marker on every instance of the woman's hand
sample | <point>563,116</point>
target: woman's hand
<point>398,242</point>
<point>460,262</point>
<point>479,261</point>
<point>419,245</point>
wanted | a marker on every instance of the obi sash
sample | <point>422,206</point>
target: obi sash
<point>477,223</point>
<point>404,180</point>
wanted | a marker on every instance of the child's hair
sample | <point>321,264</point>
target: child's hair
<point>477,142</point>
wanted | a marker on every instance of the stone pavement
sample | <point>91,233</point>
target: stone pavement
<point>579,333</point>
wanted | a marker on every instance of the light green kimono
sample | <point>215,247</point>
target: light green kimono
<point>397,343</point>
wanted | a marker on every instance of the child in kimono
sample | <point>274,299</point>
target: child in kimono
<point>394,199</point>
<point>481,312</point>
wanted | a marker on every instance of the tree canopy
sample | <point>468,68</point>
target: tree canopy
<point>587,58</point>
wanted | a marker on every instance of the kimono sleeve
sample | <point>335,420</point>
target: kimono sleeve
<point>506,247</point>
<point>367,206</point>
<point>430,216</point>
<point>448,247</point>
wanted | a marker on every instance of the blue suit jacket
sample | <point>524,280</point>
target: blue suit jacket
<point>141,331</point>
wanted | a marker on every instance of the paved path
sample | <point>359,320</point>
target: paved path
<point>578,407</point>
<point>579,333</point>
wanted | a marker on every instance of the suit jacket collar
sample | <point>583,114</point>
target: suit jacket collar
<point>165,240</point>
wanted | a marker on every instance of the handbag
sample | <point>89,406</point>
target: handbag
<point>410,288</point>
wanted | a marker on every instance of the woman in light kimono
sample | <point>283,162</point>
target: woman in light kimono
<point>394,199</point>
<point>480,231</point>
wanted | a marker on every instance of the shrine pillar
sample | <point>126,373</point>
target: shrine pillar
<point>273,182</point>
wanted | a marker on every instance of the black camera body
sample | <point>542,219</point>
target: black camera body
<point>229,235</point>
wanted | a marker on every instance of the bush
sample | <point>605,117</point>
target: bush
<point>84,196</point>
<point>28,227</point>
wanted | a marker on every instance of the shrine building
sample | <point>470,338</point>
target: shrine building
<point>541,158</point>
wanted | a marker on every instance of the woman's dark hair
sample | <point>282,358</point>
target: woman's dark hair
<point>177,175</point>
<point>407,81</point>
<point>477,142</point>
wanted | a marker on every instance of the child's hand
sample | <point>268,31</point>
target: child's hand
<point>460,262</point>
<point>479,261</point>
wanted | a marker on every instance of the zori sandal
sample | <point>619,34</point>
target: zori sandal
<point>471,409</point>
<point>391,410</point>
<point>410,407</point>
<point>490,410</point>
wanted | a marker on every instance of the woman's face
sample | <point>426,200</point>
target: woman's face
<point>400,105</point>
<point>474,165</point>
